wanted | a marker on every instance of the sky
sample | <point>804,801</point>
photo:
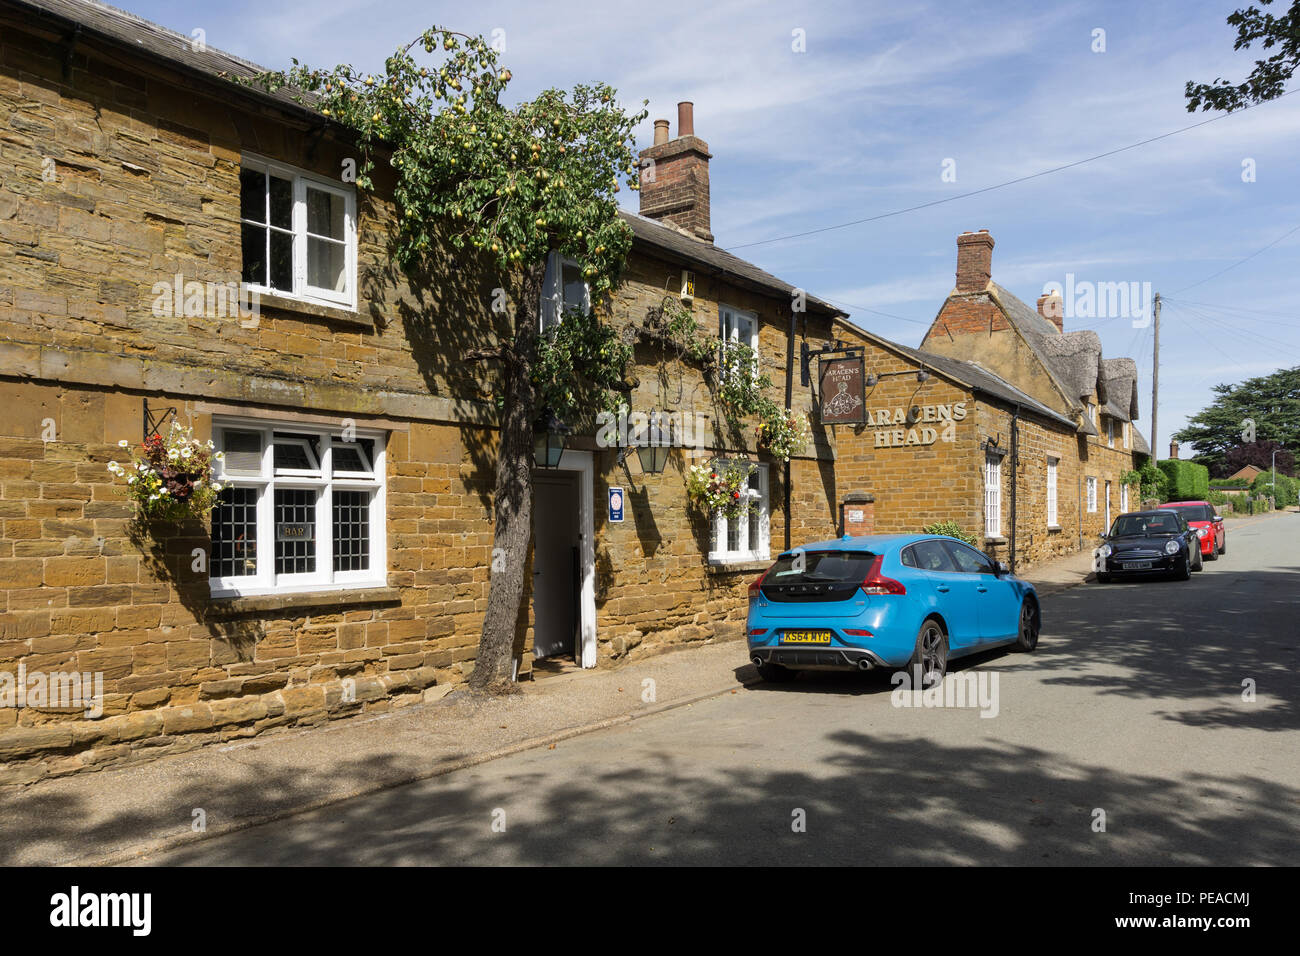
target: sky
<point>889,106</point>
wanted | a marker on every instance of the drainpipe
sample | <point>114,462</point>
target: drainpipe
<point>1015,482</point>
<point>789,399</point>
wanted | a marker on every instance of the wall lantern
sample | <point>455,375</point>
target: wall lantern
<point>872,379</point>
<point>548,446</point>
<point>922,376</point>
<point>653,445</point>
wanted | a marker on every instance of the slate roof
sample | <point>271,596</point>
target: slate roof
<point>148,39</point>
<point>708,258</point>
<point>970,374</point>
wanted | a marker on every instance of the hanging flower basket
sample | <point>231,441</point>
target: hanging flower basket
<point>720,489</point>
<point>783,434</point>
<point>170,480</point>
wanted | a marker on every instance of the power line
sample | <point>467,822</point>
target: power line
<point>1240,261</point>
<point>1009,182</point>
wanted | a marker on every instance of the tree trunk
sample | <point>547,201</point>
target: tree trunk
<point>514,496</point>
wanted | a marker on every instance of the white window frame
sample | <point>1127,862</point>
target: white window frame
<point>301,179</point>
<point>1123,497</point>
<point>1092,495</point>
<point>1053,468</point>
<point>1092,414</point>
<point>1124,428</point>
<point>992,496</point>
<point>730,321</point>
<point>1108,515</point>
<point>268,480</point>
<point>1110,432</point>
<point>553,305</point>
<point>718,553</point>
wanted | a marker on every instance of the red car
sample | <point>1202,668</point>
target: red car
<point>1207,524</point>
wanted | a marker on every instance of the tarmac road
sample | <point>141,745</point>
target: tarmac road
<point>1132,705</point>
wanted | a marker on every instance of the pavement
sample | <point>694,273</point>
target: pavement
<point>128,814</point>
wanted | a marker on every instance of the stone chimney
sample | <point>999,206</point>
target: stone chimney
<point>1173,449</point>
<point>675,176</point>
<point>974,261</point>
<point>1052,309</point>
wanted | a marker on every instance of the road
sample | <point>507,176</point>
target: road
<point>1132,705</point>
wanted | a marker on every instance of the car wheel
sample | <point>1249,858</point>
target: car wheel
<point>1200,559</point>
<point>776,674</point>
<point>1029,624</point>
<point>930,656</point>
<point>1184,573</point>
<point>1103,577</point>
<point>1223,548</point>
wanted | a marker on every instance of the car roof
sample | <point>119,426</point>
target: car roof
<point>1148,513</point>
<point>875,543</point>
<point>1174,504</point>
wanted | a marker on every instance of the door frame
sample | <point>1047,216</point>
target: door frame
<point>584,464</point>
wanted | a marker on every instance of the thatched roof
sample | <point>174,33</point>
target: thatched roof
<point>1120,375</point>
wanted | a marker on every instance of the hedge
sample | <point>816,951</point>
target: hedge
<point>1188,481</point>
<point>1288,489</point>
<point>1237,483</point>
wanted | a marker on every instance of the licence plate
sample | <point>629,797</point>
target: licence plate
<point>1136,565</point>
<point>806,637</point>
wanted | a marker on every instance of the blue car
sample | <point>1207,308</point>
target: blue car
<point>885,601</point>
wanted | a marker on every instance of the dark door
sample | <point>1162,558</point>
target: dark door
<point>555,563</point>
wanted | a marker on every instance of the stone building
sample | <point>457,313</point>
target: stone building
<point>346,566</point>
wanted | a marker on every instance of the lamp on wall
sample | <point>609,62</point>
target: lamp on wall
<point>653,445</point>
<point>922,375</point>
<point>548,445</point>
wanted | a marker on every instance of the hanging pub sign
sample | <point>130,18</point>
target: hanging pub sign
<point>843,400</point>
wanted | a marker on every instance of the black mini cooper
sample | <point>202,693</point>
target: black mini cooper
<point>1148,542</point>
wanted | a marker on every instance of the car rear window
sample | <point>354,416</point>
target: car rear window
<point>1195,512</point>
<point>820,567</point>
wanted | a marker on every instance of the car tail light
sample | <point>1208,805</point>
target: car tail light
<point>757,631</point>
<point>756,584</point>
<point>858,632</point>
<point>876,583</point>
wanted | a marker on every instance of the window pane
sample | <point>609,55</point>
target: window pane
<point>281,261</point>
<point>253,242</point>
<point>324,214</point>
<point>351,530</point>
<point>252,195</point>
<point>295,531</point>
<point>291,451</point>
<point>243,451</point>
<point>281,203</point>
<point>234,534</point>
<point>348,458</point>
<point>733,533</point>
<point>325,265</point>
<point>575,290</point>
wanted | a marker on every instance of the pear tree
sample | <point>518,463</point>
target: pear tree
<point>507,185</point>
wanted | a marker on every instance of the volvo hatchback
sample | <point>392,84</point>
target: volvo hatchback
<point>898,601</point>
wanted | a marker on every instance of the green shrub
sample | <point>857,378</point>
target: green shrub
<point>1188,481</point>
<point>1216,497</point>
<point>1150,480</point>
<point>1240,483</point>
<point>1287,491</point>
<point>952,529</point>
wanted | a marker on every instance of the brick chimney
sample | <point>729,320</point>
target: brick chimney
<point>974,261</point>
<point>1173,449</point>
<point>1052,309</point>
<point>675,186</point>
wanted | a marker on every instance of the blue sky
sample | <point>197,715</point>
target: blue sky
<point>862,121</point>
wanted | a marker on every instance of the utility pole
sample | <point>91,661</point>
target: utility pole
<point>1155,383</point>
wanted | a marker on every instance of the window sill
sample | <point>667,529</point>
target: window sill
<point>316,310</point>
<point>995,539</point>
<point>231,606</point>
<point>1053,528</point>
<point>722,566</point>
